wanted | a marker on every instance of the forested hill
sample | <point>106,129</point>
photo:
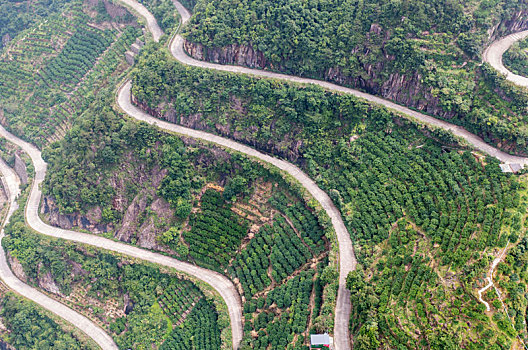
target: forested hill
<point>423,54</point>
<point>16,16</point>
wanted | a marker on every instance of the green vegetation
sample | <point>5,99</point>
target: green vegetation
<point>77,56</point>
<point>197,332</point>
<point>119,294</point>
<point>16,16</point>
<point>516,58</point>
<point>29,327</point>
<point>278,247</point>
<point>512,281</point>
<point>213,204</point>
<point>164,12</point>
<point>422,54</point>
<point>280,314</point>
<point>215,232</point>
<point>52,72</point>
<point>425,213</point>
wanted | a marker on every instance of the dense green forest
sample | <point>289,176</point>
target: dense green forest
<point>27,327</point>
<point>50,74</point>
<point>389,177</point>
<point>516,58</point>
<point>422,54</point>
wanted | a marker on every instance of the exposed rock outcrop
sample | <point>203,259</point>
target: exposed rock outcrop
<point>241,55</point>
<point>515,23</point>
<point>130,225</point>
<point>406,89</point>
<point>145,216</point>
<point>90,222</point>
<point>288,148</point>
<point>112,9</point>
<point>47,283</point>
<point>17,268</point>
<point>20,169</point>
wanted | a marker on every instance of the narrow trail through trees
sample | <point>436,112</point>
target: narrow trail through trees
<point>489,278</point>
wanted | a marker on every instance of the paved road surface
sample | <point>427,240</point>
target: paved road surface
<point>347,259</point>
<point>152,24</point>
<point>12,183</point>
<point>220,283</point>
<point>493,56</point>
<point>178,52</point>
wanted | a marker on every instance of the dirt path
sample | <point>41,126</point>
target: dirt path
<point>11,183</point>
<point>489,278</point>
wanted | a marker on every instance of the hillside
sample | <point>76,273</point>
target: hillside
<point>202,204</point>
<point>421,54</point>
<point>252,248</point>
<point>138,304</point>
<point>386,176</point>
<point>53,71</point>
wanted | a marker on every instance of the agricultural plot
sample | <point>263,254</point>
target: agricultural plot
<point>77,56</point>
<point>216,231</point>
<point>199,331</point>
<point>273,247</point>
<point>53,71</point>
<point>283,312</point>
<point>455,200</point>
<point>178,300</point>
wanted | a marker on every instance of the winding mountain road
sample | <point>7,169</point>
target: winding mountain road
<point>346,254</point>
<point>493,55</point>
<point>220,283</point>
<point>176,48</point>
<point>224,287</point>
<point>347,259</point>
<point>11,183</point>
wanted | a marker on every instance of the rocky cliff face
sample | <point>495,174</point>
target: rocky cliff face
<point>17,268</point>
<point>240,55</point>
<point>288,148</point>
<point>406,89</point>
<point>516,23</point>
<point>90,222</point>
<point>20,169</point>
<point>144,216</point>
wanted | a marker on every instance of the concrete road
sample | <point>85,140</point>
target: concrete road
<point>12,184</point>
<point>493,55</point>
<point>220,283</point>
